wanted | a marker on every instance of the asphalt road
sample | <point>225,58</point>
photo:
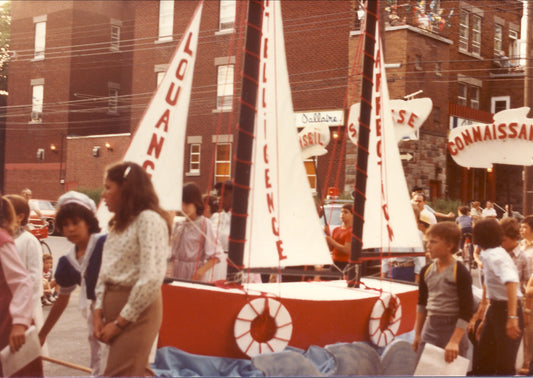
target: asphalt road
<point>68,339</point>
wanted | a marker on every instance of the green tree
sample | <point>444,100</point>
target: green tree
<point>5,32</point>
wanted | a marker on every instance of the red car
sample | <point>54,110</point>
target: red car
<point>48,212</point>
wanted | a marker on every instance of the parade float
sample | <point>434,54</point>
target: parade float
<point>275,224</point>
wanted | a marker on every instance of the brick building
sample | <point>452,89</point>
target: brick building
<point>66,77</point>
<point>86,81</point>
<point>464,56</point>
<point>95,66</point>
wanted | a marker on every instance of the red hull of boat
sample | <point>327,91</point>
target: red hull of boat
<point>199,320</point>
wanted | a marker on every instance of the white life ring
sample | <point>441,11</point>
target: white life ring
<point>263,325</point>
<point>385,319</point>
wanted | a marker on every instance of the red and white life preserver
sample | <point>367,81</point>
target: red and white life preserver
<point>385,319</point>
<point>263,325</point>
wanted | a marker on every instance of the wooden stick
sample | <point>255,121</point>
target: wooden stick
<point>67,364</point>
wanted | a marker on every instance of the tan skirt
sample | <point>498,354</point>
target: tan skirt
<point>130,350</point>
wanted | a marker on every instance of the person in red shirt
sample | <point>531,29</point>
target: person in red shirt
<point>340,241</point>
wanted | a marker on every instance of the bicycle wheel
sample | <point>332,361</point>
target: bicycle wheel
<point>45,247</point>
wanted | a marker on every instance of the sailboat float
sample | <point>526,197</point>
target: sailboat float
<point>274,219</point>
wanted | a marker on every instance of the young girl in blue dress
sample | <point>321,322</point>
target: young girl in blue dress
<point>80,266</point>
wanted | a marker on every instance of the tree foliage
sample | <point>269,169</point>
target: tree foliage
<point>5,32</point>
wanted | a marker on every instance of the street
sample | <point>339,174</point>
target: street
<point>68,339</point>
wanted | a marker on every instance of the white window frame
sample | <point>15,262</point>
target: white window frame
<point>160,70</point>
<point>225,84</point>
<point>311,177</point>
<point>195,153</point>
<point>464,30</point>
<point>37,101</point>
<point>474,96</point>
<point>462,93</point>
<point>166,20</point>
<point>227,15</point>
<point>115,35</point>
<point>476,35</point>
<point>40,37</point>
<point>494,100</point>
<point>218,177</point>
<point>514,47</point>
<point>498,39</point>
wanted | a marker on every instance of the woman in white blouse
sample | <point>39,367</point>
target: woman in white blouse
<point>128,309</point>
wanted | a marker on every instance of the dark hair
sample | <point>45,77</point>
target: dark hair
<point>192,194</point>
<point>529,221</point>
<point>348,206</point>
<point>487,233</point>
<point>75,211</point>
<point>7,216</point>
<point>211,202</point>
<point>464,210</point>
<point>20,205</point>
<point>137,192</point>
<point>447,231</point>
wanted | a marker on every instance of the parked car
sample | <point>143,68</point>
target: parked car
<point>331,214</point>
<point>48,212</point>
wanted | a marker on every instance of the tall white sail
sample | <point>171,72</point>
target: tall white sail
<point>283,227</point>
<point>389,221</point>
<point>159,142</point>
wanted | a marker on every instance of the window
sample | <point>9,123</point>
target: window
<point>311,173</point>
<point>463,31</point>
<point>115,36</point>
<point>159,77</point>
<point>166,20</point>
<point>498,33</point>
<point>418,62</point>
<point>227,14</point>
<point>112,99</point>
<point>37,102</point>
<point>461,94</point>
<point>500,103</point>
<point>194,158</point>
<point>40,37</point>
<point>474,97</point>
<point>222,162</point>
<point>514,47</point>
<point>160,70</point>
<point>225,87</point>
<point>476,35</point>
<point>438,69</point>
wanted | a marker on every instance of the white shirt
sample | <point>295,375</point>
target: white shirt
<point>499,269</point>
<point>428,215</point>
<point>221,226</point>
<point>31,254</point>
<point>488,212</point>
<point>137,258</point>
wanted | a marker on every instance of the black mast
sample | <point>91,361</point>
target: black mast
<point>241,185</point>
<point>353,270</point>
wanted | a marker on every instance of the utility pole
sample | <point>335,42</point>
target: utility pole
<point>528,96</point>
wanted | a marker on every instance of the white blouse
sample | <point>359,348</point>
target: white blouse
<point>137,258</point>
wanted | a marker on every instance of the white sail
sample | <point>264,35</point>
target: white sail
<point>159,142</point>
<point>283,227</point>
<point>389,221</point>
